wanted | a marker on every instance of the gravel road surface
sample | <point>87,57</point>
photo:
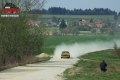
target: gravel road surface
<point>50,70</point>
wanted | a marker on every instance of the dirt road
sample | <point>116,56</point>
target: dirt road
<point>50,70</point>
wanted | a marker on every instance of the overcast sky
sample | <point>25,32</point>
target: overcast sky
<point>84,4</point>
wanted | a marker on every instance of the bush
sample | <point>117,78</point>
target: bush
<point>93,30</point>
<point>116,50</point>
<point>111,33</point>
<point>18,38</point>
<point>55,33</point>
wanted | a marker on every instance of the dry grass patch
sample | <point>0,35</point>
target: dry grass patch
<point>74,70</point>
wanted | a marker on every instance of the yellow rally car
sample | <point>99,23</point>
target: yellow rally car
<point>65,54</point>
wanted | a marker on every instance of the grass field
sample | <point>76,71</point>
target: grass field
<point>52,41</point>
<point>44,17</point>
<point>87,67</point>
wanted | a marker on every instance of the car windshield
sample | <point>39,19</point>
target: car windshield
<point>65,52</point>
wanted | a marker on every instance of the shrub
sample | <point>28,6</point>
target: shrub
<point>116,50</point>
<point>18,38</point>
<point>55,33</point>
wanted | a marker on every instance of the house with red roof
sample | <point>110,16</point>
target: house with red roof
<point>83,22</point>
<point>99,24</point>
<point>96,23</point>
<point>35,23</point>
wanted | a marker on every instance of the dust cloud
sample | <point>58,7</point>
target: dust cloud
<point>78,49</point>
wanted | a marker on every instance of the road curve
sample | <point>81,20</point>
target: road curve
<point>49,70</point>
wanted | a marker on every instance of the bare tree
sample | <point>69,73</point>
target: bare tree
<point>25,5</point>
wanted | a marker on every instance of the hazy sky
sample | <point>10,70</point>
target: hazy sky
<point>84,4</point>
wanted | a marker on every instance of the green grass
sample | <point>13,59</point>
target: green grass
<point>52,41</point>
<point>75,17</point>
<point>87,68</point>
<point>78,16</point>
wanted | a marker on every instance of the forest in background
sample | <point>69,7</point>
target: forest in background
<point>64,11</point>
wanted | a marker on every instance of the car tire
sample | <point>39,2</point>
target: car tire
<point>69,56</point>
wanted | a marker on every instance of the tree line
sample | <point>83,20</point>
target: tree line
<point>64,11</point>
